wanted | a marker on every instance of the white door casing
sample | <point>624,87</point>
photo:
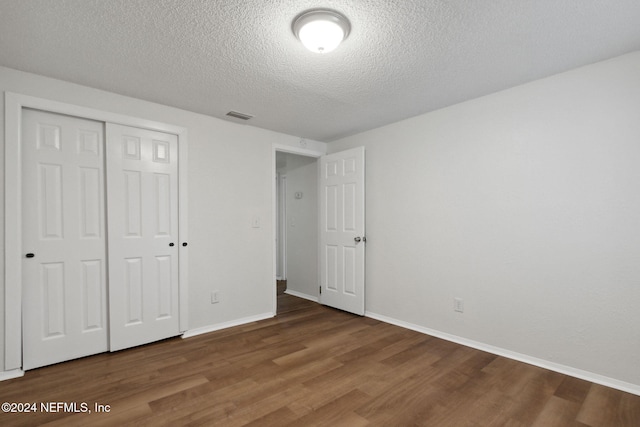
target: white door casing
<point>63,230</point>
<point>281,231</point>
<point>142,190</point>
<point>342,230</point>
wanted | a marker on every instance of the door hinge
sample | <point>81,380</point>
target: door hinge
<point>320,287</point>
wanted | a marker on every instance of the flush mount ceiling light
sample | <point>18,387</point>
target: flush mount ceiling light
<point>321,30</point>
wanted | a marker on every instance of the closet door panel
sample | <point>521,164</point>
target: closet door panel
<point>63,238</point>
<point>142,187</point>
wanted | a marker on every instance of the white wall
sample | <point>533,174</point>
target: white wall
<point>526,204</point>
<point>229,183</point>
<point>302,224</point>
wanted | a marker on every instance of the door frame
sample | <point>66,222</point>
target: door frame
<point>281,226</point>
<point>14,103</point>
<point>275,148</point>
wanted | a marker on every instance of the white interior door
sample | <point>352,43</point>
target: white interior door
<point>63,238</point>
<point>342,238</point>
<point>142,189</point>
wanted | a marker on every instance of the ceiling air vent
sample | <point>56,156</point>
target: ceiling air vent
<point>240,116</point>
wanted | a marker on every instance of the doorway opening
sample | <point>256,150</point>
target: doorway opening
<point>295,197</point>
<point>297,227</point>
<point>336,238</point>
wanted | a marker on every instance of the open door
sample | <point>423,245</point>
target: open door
<point>342,234</point>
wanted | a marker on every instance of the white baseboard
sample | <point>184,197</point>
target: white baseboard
<point>8,375</point>
<point>206,329</point>
<point>301,295</point>
<point>552,366</point>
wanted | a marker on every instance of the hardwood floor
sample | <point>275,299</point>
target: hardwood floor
<point>312,365</point>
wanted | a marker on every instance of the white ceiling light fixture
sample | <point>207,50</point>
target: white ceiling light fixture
<point>321,30</point>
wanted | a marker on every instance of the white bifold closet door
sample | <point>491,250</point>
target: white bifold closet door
<point>142,190</point>
<point>63,239</point>
<point>100,224</point>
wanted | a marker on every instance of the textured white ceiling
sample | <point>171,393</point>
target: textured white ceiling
<point>402,58</point>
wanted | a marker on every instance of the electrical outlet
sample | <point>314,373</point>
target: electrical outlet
<point>458,305</point>
<point>215,297</point>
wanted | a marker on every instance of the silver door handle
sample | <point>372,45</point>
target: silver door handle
<point>357,239</point>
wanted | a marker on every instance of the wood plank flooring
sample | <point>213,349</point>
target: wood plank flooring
<point>312,365</point>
